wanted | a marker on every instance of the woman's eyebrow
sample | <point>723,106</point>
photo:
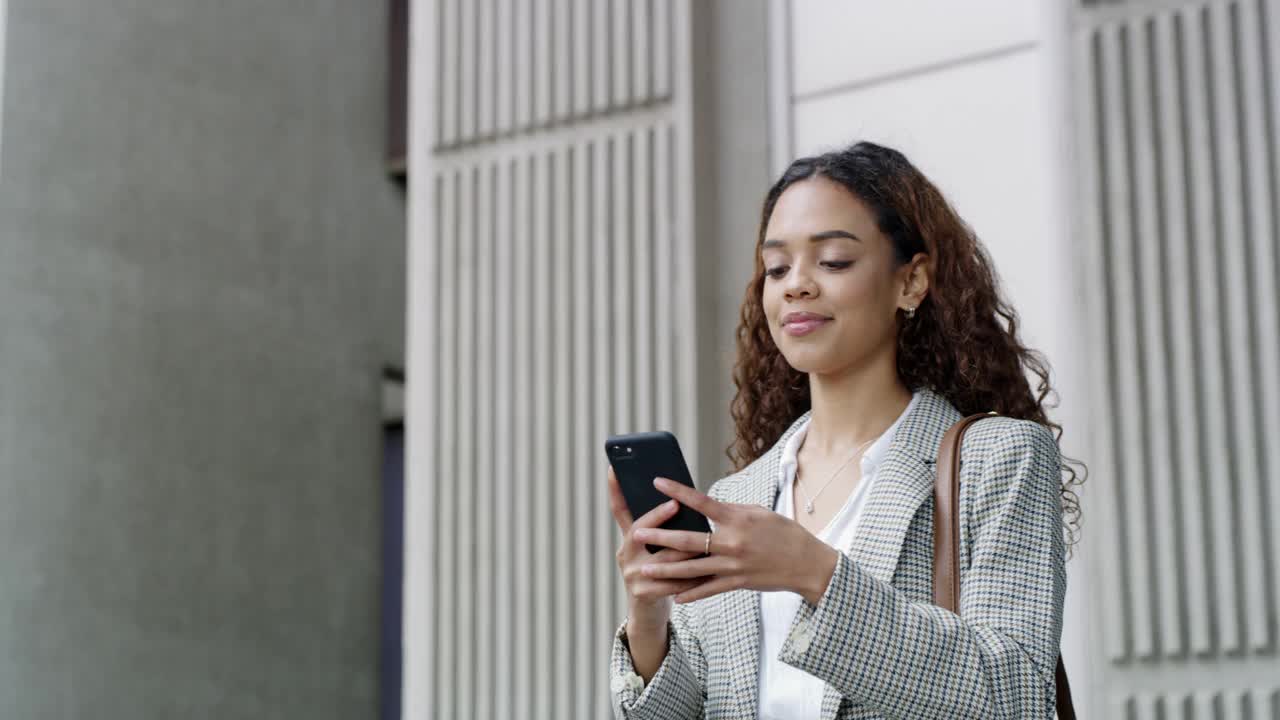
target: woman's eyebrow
<point>816,237</point>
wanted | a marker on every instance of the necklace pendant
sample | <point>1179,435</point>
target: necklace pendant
<point>808,507</point>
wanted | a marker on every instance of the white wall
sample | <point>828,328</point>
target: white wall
<point>974,94</point>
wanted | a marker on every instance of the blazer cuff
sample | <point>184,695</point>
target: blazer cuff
<point>820,640</point>
<point>673,691</point>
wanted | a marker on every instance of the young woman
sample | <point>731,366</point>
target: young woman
<point>872,324</point>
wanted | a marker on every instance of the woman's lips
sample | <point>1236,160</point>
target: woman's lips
<point>804,327</point>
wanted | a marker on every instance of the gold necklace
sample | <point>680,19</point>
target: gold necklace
<point>808,501</point>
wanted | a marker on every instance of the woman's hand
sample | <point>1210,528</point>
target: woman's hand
<point>752,548</point>
<point>648,598</point>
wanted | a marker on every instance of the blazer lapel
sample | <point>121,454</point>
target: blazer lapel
<point>756,486</point>
<point>904,481</point>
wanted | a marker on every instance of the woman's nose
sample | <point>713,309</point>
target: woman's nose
<point>800,284</point>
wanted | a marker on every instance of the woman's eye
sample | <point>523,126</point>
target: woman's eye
<point>779,271</point>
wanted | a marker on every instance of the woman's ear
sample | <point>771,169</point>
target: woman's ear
<point>917,277</point>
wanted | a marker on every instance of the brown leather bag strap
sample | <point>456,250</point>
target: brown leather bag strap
<point>946,542</point>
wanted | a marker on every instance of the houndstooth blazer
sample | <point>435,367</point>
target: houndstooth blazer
<point>882,647</point>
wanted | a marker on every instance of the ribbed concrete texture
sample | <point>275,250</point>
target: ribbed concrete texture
<point>582,225</point>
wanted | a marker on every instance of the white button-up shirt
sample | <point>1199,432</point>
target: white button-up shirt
<point>786,692</point>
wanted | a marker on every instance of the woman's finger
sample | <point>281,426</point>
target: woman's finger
<point>687,569</point>
<point>667,555</point>
<point>658,515</point>
<point>713,509</point>
<point>683,540</point>
<point>618,504</point>
<point>653,590</point>
<point>713,586</point>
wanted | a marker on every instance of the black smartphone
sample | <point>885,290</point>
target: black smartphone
<point>638,458</point>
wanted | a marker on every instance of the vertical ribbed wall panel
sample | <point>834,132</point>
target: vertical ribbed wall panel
<point>563,44</point>
<point>1185,523</point>
<point>541,429</point>
<point>1125,315</point>
<point>643,270</point>
<point>487,66</point>
<point>1215,474</point>
<point>1237,704</point>
<point>502,443</point>
<point>468,73</point>
<point>511,66</point>
<point>504,79</point>
<point>485,363</point>
<point>583,70</point>
<point>561,316</point>
<point>664,319</point>
<point>1262,275</point>
<point>1260,47</point>
<point>587,496</point>
<point>465,443</point>
<point>1158,482</point>
<point>601,55</point>
<point>559,324</point>
<point>620,62</point>
<point>522,31</point>
<point>1177,106</point>
<point>1243,447</point>
<point>560,517</point>
<point>1110,564</point>
<point>661,36</point>
<point>447,67</point>
<point>623,378</point>
<point>446,558</point>
<point>602,251</point>
<point>641,48</point>
<point>543,72</point>
<point>523,474</point>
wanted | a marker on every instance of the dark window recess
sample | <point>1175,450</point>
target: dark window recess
<point>392,661</point>
<point>398,89</point>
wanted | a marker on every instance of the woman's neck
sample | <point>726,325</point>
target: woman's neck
<point>852,409</point>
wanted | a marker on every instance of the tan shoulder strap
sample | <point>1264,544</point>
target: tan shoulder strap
<point>946,541</point>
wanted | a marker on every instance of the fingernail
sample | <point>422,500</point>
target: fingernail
<point>660,480</point>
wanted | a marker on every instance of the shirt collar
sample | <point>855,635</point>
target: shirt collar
<point>870,459</point>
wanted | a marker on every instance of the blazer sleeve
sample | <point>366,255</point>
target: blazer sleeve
<point>996,659</point>
<point>677,691</point>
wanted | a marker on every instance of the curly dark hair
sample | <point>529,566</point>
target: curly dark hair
<point>962,342</point>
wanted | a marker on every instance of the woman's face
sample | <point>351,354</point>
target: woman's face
<point>832,285</point>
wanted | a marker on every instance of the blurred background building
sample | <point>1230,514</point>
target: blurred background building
<point>229,232</point>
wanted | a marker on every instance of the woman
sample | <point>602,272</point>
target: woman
<point>873,323</point>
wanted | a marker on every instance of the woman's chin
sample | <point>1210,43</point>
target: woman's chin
<point>808,361</point>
